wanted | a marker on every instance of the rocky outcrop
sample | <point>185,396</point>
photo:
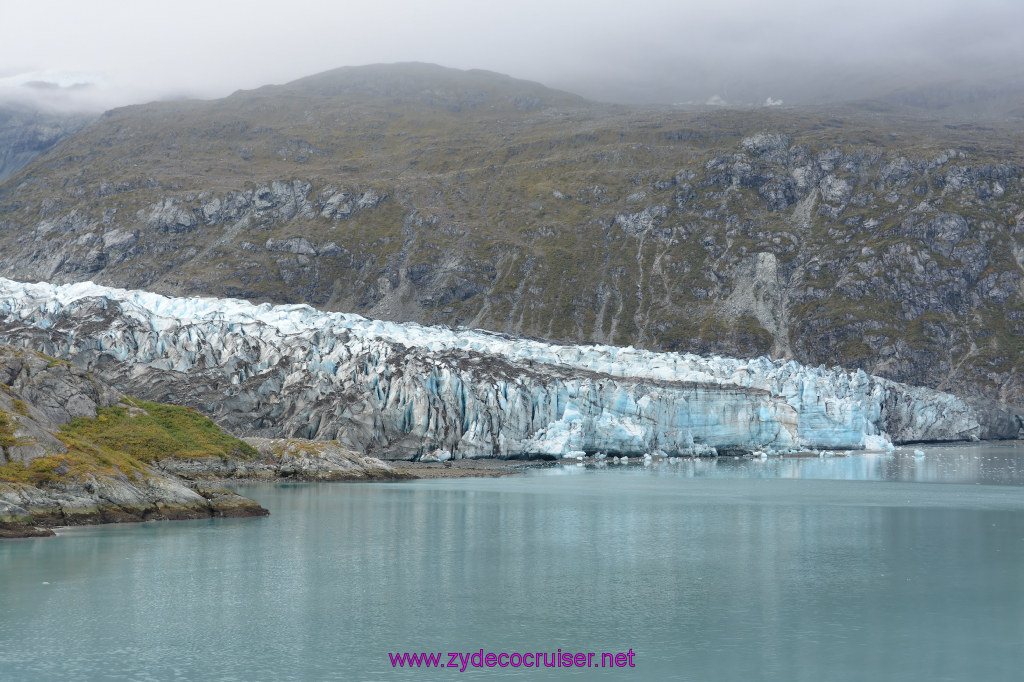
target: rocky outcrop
<point>28,510</point>
<point>283,458</point>
<point>43,483</point>
<point>406,391</point>
<point>180,488</point>
<point>40,394</point>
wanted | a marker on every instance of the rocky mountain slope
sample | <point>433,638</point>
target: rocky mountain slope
<point>26,132</point>
<point>411,192</point>
<point>404,391</point>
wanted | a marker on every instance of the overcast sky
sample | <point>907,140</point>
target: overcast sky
<point>742,51</point>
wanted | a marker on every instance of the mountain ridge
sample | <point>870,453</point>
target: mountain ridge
<point>827,234</point>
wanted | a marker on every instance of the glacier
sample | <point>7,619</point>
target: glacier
<point>408,391</point>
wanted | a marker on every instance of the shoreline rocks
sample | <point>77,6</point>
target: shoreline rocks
<point>31,511</point>
<point>176,488</point>
<point>286,458</point>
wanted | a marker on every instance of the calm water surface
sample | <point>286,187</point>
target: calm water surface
<point>889,567</point>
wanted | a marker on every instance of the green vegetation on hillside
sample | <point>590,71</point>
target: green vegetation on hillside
<point>121,440</point>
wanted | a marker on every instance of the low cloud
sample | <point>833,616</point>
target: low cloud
<point>744,51</point>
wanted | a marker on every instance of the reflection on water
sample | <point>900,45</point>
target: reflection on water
<point>708,570</point>
<point>987,464</point>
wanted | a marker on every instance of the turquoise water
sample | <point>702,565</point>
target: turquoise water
<point>887,567</point>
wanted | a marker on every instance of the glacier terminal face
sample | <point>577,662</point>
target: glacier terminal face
<point>405,391</point>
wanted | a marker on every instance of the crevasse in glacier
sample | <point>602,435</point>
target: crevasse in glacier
<point>405,390</point>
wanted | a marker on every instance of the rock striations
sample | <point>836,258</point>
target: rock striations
<point>405,391</point>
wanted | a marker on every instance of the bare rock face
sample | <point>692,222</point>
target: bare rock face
<point>296,245</point>
<point>16,522</point>
<point>768,146</point>
<point>39,395</point>
<point>169,215</point>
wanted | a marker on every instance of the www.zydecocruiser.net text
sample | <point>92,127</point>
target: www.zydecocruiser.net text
<point>531,659</point>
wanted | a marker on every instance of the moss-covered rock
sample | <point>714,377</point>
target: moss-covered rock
<point>72,452</point>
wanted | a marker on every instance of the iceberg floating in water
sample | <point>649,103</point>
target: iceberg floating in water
<point>407,391</point>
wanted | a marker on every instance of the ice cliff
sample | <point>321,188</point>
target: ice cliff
<point>405,391</point>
